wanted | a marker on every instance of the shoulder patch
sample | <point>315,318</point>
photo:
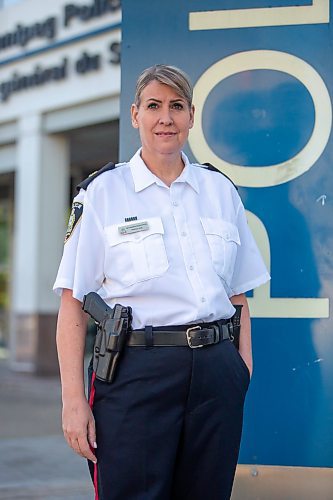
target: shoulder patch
<point>85,183</point>
<point>75,216</point>
<point>211,167</point>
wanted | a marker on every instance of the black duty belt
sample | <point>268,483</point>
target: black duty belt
<point>194,336</point>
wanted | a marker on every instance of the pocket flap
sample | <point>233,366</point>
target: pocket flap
<point>114,237</point>
<point>222,228</point>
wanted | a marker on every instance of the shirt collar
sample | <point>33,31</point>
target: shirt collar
<point>143,177</point>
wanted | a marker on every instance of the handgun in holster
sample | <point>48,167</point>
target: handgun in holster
<point>113,324</point>
<point>235,326</point>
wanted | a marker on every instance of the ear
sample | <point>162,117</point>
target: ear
<point>134,115</point>
<point>192,110</point>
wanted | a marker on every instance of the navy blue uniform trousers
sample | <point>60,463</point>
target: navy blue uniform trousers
<point>169,426</point>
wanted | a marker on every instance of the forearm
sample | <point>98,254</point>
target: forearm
<point>77,419</point>
<point>71,333</point>
<point>245,345</point>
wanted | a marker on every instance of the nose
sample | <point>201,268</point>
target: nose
<point>165,117</point>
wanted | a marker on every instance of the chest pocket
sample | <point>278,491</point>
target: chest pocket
<point>136,256</point>
<point>223,240</point>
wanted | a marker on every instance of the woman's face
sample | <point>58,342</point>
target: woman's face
<point>163,119</point>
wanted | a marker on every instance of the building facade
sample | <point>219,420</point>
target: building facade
<point>59,121</point>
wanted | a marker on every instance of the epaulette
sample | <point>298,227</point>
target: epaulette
<point>211,167</point>
<point>85,183</point>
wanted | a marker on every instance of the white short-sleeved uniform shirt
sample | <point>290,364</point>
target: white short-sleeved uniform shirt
<point>191,250</point>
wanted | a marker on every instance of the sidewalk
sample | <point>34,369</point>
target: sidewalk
<point>35,462</point>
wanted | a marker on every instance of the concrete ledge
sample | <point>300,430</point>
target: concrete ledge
<point>34,348</point>
<point>90,113</point>
<point>260,482</point>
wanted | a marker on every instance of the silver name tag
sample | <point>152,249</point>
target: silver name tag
<point>134,228</point>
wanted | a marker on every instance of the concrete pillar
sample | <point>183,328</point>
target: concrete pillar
<point>41,190</point>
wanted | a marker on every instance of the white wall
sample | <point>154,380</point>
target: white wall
<point>73,89</point>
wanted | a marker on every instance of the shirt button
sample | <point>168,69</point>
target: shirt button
<point>203,299</point>
<point>183,233</point>
<point>175,204</point>
<point>191,268</point>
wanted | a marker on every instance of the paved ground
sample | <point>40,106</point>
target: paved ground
<point>35,462</point>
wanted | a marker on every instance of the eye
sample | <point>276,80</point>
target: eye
<point>177,105</point>
<point>152,105</point>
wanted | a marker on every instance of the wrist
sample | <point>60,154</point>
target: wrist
<point>72,395</point>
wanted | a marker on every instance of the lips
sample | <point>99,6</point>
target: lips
<point>165,134</point>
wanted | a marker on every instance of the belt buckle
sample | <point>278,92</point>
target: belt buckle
<point>188,337</point>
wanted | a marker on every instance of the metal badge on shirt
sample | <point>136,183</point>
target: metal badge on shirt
<point>75,216</point>
<point>134,227</point>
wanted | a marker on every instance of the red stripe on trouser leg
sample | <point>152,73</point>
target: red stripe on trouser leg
<point>91,404</point>
<point>92,390</point>
<point>96,482</point>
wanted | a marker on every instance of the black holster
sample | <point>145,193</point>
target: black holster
<point>113,325</point>
<point>236,325</point>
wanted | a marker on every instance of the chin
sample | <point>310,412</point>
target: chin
<point>169,148</point>
<point>173,151</point>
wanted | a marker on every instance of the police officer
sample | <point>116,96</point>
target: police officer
<point>170,239</point>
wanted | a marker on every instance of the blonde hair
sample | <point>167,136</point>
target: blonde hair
<point>167,75</point>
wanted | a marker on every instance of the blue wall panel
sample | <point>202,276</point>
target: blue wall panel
<point>258,118</point>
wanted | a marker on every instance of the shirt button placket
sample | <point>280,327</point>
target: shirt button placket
<point>183,232</point>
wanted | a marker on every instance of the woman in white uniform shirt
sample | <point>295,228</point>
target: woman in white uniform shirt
<point>169,426</point>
